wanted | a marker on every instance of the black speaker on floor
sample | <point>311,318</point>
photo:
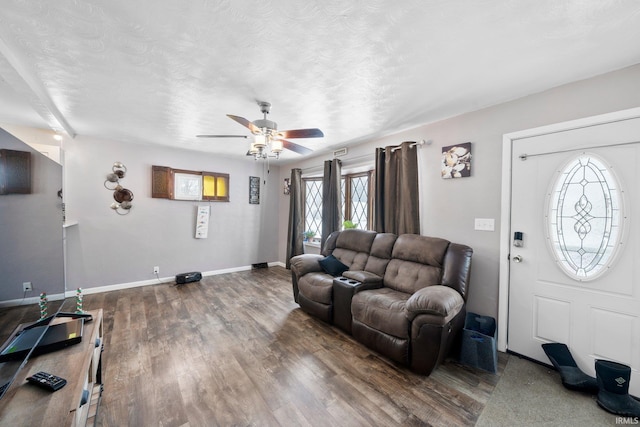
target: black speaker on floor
<point>183,278</point>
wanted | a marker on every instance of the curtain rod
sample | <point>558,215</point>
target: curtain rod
<point>346,162</point>
<point>413,144</point>
<point>352,160</point>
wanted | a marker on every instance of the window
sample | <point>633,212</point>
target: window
<point>187,186</point>
<point>356,201</point>
<point>215,186</point>
<point>178,184</point>
<point>313,206</point>
<point>585,217</point>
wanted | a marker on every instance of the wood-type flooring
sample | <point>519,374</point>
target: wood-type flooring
<point>236,350</point>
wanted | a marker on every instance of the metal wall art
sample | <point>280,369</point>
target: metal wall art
<point>254,190</point>
<point>121,195</point>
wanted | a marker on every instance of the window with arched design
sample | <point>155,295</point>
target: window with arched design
<point>585,217</point>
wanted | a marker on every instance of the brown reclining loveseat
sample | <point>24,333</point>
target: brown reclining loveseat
<point>402,296</point>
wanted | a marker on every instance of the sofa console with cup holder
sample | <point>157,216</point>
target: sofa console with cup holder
<point>402,295</point>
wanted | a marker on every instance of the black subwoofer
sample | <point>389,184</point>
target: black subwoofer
<point>183,278</point>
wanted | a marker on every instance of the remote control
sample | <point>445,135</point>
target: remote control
<point>47,381</point>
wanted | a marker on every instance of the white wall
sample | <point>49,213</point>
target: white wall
<point>448,207</point>
<point>108,249</point>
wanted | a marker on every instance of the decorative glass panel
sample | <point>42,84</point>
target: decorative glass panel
<point>360,201</point>
<point>187,186</point>
<point>221,187</point>
<point>313,207</point>
<point>585,217</point>
<point>209,186</point>
<point>215,186</point>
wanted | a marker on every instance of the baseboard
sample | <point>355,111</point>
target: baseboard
<point>119,286</point>
<point>30,300</point>
<point>129,285</point>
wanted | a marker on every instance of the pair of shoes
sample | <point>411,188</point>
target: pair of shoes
<point>611,385</point>
<point>572,377</point>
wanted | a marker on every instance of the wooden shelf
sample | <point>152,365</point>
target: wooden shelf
<point>26,405</point>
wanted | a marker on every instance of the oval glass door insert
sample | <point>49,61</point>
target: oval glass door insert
<point>585,217</point>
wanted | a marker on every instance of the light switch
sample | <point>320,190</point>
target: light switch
<point>485,224</point>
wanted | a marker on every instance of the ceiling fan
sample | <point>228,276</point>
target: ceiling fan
<point>267,139</point>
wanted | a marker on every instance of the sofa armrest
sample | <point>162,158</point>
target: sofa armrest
<point>435,300</point>
<point>364,277</point>
<point>306,263</point>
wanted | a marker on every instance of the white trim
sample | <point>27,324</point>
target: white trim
<point>505,226</point>
<point>128,285</point>
<point>119,286</point>
<point>30,300</point>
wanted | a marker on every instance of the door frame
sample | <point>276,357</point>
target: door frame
<point>505,210</point>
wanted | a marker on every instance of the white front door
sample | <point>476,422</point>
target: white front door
<point>575,277</point>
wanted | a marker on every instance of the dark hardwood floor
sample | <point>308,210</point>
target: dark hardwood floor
<point>235,349</point>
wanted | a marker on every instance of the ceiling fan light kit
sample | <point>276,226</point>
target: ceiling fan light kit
<point>268,142</point>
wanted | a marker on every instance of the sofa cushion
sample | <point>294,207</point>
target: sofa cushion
<point>417,262</point>
<point>330,244</point>
<point>356,240</point>
<point>380,253</point>
<point>383,310</point>
<point>439,300</point>
<point>355,260</point>
<point>352,247</point>
<point>421,249</point>
<point>332,266</point>
<point>307,263</point>
<point>407,276</point>
<point>316,287</point>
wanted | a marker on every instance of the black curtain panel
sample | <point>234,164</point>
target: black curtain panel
<point>296,219</point>
<point>396,206</point>
<point>331,199</point>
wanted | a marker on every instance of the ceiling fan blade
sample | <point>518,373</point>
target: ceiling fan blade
<point>296,147</point>
<point>221,136</point>
<point>302,133</point>
<point>244,122</point>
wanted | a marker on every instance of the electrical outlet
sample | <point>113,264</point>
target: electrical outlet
<point>156,270</point>
<point>26,286</point>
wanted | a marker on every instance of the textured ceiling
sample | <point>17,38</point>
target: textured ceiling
<point>160,72</point>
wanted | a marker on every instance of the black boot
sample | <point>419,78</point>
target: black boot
<point>572,377</point>
<point>613,380</point>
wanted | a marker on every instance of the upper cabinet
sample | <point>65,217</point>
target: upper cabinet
<point>15,172</point>
<point>181,184</point>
